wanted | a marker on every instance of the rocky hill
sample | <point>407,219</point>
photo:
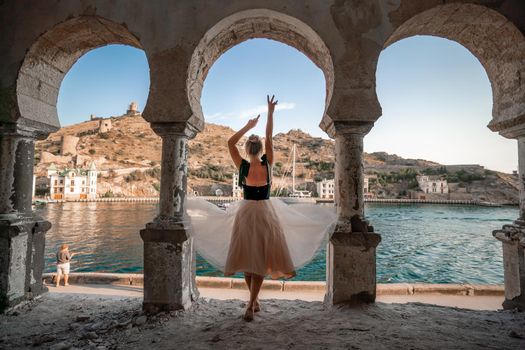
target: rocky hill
<point>127,154</point>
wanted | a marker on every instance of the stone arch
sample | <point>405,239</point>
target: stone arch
<point>250,24</point>
<point>50,58</point>
<point>492,39</point>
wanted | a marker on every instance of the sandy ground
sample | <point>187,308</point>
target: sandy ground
<point>110,317</point>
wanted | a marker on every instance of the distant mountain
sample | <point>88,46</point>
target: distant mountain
<point>128,156</point>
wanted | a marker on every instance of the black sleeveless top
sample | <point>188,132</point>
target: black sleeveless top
<point>255,192</point>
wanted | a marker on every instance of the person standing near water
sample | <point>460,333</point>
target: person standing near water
<point>258,236</point>
<point>257,246</point>
<point>63,264</point>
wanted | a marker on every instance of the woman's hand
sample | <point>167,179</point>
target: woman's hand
<point>271,103</point>
<point>253,122</point>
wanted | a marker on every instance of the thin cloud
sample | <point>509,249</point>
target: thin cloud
<point>250,112</point>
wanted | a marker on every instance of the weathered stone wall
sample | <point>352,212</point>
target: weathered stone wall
<point>46,157</point>
<point>343,37</point>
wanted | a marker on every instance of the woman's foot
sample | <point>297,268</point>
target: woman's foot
<point>257,306</point>
<point>248,315</point>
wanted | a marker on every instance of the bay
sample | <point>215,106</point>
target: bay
<point>420,243</point>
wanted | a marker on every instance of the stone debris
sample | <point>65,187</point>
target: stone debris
<point>141,320</point>
<point>119,323</point>
<point>44,338</point>
<point>60,346</point>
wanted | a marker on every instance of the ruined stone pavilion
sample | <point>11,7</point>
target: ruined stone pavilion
<point>40,41</point>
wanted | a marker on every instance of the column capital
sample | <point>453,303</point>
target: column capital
<point>513,128</point>
<point>22,130</point>
<point>184,129</point>
<point>338,128</point>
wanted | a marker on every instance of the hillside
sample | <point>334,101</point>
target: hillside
<point>128,154</point>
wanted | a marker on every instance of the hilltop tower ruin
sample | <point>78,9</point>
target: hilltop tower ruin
<point>104,125</point>
<point>132,109</point>
<point>68,145</point>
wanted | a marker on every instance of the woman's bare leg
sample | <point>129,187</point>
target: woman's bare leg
<point>248,279</point>
<point>255,288</point>
<point>66,279</point>
<point>58,279</point>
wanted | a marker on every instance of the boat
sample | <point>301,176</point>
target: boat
<point>296,196</point>
<point>40,202</point>
<point>488,204</point>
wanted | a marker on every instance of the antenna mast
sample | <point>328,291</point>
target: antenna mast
<point>293,170</point>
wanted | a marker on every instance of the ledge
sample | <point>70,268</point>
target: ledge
<point>290,286</point>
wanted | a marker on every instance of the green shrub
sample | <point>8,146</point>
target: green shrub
<point>155,173</point>
<point>135,175</point>
<point>92,151</point>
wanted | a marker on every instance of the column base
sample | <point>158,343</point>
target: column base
<point>513,246</point>
<point>169,268</point>
<point>22,244</point>
<point>516,303</point>
<point>351,268</point>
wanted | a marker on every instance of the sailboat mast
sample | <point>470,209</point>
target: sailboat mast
<point>293,170</point>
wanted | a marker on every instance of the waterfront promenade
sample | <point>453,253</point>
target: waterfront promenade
<point>477,297</point>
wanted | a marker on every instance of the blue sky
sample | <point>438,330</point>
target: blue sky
<point>435,95</point>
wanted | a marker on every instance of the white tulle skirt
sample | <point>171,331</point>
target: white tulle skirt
<point>269,237</point>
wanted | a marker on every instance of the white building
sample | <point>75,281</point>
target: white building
<point>326,188</point>
<point>432,184</point>
<point>236,189</point>
<point>75,183</point>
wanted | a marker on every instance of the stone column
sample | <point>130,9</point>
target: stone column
<point>8,142</point>
<point>521,172</point>
<point>22,235</point>
<point>23,175</point>
<point>351,259</point>
<point>169,257</point>
<point>513,244</point>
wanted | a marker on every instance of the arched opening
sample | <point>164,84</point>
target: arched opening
<point>491,38</point>
<point>230,36</point>
<point>234,91</point>
<point>464,245</point>
<point>51,57</point>
<point>250,24</point>
<point>86,73</point>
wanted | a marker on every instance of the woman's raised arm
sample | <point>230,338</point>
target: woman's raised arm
<point>232,142</point>
<point>268,143</point>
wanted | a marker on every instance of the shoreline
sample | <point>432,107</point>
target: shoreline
<point>227,283</point>
<point>312,200</point>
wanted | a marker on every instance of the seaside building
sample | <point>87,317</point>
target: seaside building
<point>236,189</point>
<point>77,183</point>
<point>432,184</point>
<point>326,188</point>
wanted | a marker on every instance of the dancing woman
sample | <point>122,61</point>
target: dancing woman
<point>259,236</point>
<point>258,246</point>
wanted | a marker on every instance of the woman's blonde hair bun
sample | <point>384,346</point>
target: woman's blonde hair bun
<point>254,145</point>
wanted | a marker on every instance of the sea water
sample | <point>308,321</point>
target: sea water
<point>419,242</point>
